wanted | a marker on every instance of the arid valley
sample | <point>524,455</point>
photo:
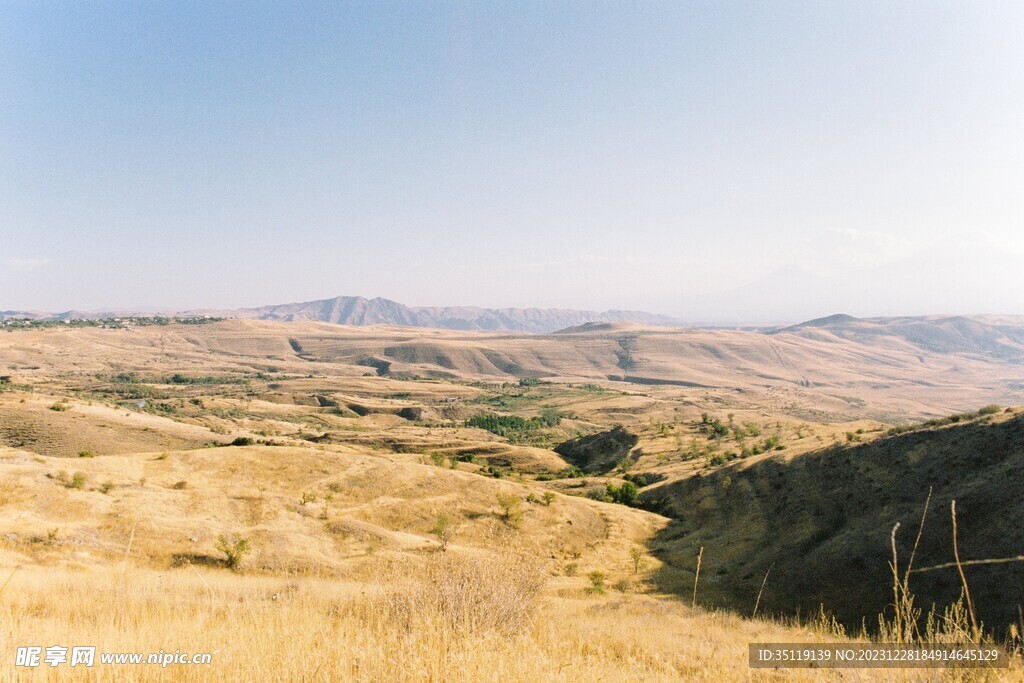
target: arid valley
<point>406,503</point>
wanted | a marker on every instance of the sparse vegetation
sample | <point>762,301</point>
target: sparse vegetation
<point>71,481</point>
<point>344,534</point>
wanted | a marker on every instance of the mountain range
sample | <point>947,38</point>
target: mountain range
<point>994,336</point>
<point>361,311</point>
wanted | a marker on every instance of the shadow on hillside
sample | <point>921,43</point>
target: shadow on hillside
<point>822,523</point>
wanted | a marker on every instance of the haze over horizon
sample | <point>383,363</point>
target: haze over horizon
<point>741,163</point>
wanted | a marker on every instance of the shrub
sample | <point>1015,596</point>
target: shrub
<point>180,485</point>
<point>597,580</point>
<point>75,481</point>
<point>989,410</point>
<point>234,547</point>
<point>548,497</point>
<point>645,478</point>
<point>106,487</point>
<point>571,568</point>
<point>624,495</point>
<point>713,427</point>
<point>60,407</point>
<point>242,441</point>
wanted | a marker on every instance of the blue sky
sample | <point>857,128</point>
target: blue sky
<point>711,160</point>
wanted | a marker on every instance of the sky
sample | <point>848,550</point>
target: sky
<point>714,161</point>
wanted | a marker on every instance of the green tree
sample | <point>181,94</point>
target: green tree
<point>444,531</point>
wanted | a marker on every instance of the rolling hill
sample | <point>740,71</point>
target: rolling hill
<point>819,523</point>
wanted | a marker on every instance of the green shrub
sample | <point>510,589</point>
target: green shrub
<point>624,495</point>
<point>234,547</point>
<point>597,580</point>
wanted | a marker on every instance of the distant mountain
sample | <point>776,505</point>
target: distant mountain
<point>996,336</point>
<point>23,315</point>
<point>357,310</point>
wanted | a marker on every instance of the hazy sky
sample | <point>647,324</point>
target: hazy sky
<point>711,160</point>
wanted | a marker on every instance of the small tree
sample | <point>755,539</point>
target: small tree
<point>512,509</point>
<point>597,582</point>
<point>234,548</point>
<point>637,555</point>
<point>444,531</point>
<point>324,511</point>
<point>549,497</point>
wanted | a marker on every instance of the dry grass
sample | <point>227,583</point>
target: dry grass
<point>399,629</point>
